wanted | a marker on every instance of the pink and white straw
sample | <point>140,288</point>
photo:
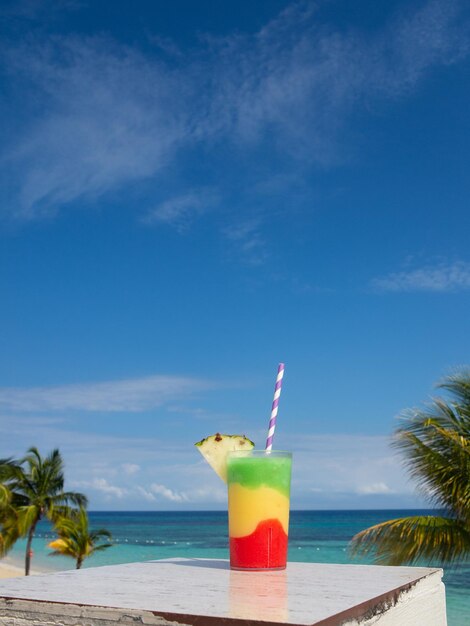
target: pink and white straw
<point>274,409</point>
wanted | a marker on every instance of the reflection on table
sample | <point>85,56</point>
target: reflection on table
<point>259,595</point>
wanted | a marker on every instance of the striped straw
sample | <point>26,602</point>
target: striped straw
<point>274,409</point>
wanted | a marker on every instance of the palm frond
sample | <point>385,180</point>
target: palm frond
<point>9,528</point>
<point>458,384</point>
<point>8,538</point>
<point>436,449</point>
<point>26,517</point>
<point>62,547</point>
<point>412,539</point>
<point>18,481</point>
<point>75,537</point>
<point>5,496</point>
<point>53,472</point>
<point>95,535</point>
<point>74,497</point>
<point>57,512</point>
<point>5,469</point>
<point>100,547</point>
<point>440,469</point>
<point>435,444</point>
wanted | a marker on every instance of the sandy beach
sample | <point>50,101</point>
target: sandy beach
<point>10,570</point>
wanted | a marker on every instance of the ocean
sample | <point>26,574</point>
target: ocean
<point>314,536</point>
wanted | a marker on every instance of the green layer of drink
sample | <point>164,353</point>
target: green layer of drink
<point>254,472</point>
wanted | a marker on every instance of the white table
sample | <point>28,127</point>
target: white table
<point>204,592</point>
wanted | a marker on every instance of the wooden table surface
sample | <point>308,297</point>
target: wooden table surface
<point>207,592</point>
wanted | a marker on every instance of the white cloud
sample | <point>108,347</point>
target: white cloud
<point>330,471</point>
<point>132,395</point>
<point>94,464</point>
<point>353,465</point>
<point>146,494</point>
<point>168,494</point>
<point>298,81</point>
<point>208,493</point>
<point>101,485</point>
<point>373,489</point>
<point>443,277</point>
<point>198,494</point>
<point>111,112</point>
<point>108,115</point>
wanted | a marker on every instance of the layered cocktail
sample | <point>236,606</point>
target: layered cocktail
<point>258,508</point>
<point>258,493</point>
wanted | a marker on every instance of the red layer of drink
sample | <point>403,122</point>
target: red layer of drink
<point>266,548</point>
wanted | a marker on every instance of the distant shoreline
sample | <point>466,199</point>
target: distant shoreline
<point>11,568</point>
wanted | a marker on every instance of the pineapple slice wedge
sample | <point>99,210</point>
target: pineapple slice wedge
<point>215,448</point>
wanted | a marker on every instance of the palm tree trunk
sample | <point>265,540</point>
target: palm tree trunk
<point>79,562</point>
<point>29,552</point>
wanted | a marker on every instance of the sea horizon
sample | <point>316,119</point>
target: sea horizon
<point>297,509</point>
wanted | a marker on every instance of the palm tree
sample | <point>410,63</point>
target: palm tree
<point>36,487</point>
<point>76,539</point>
<point>8,534</point>
<point>8,515</point>
<point>435,442</point>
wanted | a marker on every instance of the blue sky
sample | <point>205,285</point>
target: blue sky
<point>193,192</point>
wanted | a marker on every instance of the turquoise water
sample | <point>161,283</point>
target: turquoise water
<point>315,536</point>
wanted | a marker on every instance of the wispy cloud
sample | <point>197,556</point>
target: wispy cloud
<point>111,118</point>
<point>168,494</point>
<point>102,486</point>
<point>135,394</point>
<point>373,489</point>
<point>329,470</point>
<point>105,115</point>
<point>158,493</point>
<point>180,211</point>
<point>249,243</point>
<point>297,81</point>
<point>146,494</point>
<point>346,466</point>
<point>443,277</point>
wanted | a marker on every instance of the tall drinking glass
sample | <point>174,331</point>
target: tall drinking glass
<point>258,508</point>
